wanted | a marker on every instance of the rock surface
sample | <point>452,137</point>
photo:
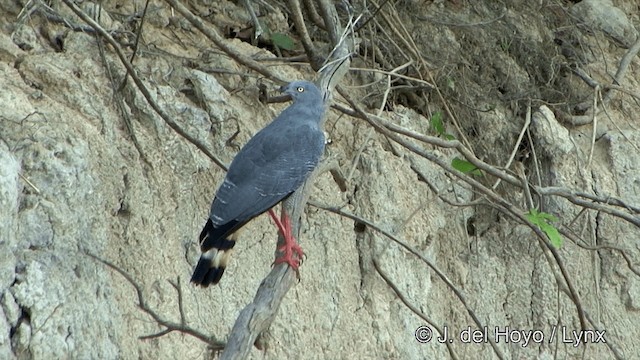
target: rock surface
<point>81,175</point>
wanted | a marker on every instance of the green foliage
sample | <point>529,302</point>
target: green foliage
<point>459,164</point>
<point>542,220</point>
<point>438,126</point>
<point>465,167</point>
<point>451,84</point>
<point>282,41</point>
<point>436,123</point>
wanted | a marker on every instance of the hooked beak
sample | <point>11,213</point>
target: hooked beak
<point>284,89</point>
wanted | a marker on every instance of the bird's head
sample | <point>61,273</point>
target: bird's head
<point>302,91</point>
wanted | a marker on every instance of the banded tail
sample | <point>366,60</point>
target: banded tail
<point>216,251</point>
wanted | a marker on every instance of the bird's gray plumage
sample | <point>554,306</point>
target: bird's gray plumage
<point>273,164</point>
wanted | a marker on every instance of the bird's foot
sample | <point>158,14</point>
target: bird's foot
<point>291,252</point>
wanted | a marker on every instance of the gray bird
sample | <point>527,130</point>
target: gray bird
<point>271,166</point>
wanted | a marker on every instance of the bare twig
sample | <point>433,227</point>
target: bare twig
<point>169,326</point>
<point>143,89</point>
<point>410,306</point>
<point>395,74</point>
<point>461,24</point>
<point>525,127</point>
<point>458,293</point>
<point>330,18</point>
<point>594,125</point>
<point>617,80</point>
<point>256,23</point>
<point>139,33</point>
<point>313,14</point>
<point>39,6</point>
<point>635,220</point>
<point>221,43</point>
<point>625,61</point>
<point>119,102</point>
<point>373,15</point>
<point>625,255</point>
<point>614,349</point>
<point>298,20</point>
<point>29,183</point>
<point>623,90</point>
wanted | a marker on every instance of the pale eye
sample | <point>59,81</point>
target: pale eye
<point>300,89</point>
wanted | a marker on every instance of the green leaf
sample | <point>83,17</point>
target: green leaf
<point>532,215</point>
<point>553,234</point>
<point>465,167</point>
<point>541,220</point>
<point>282,41</point>
<point>438,126</point>
<point>436,123</point>
<point>451,85</point>
<point>549,217</point>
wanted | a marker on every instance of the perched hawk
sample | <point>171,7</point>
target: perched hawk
<point>269,168</point>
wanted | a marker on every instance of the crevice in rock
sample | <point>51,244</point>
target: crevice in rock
<point>17,339</point>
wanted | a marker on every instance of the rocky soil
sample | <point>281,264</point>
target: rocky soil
<point>87,166</point>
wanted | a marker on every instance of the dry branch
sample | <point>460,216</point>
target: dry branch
<point>458,293</point>
<point>221,43</point>
<point>169,326</point>
<point>411,307</point>
<point>617,80</point>
<point>298,20</point>
<point>143,89</point>
<point>257,316</point>
<point>500,203</point>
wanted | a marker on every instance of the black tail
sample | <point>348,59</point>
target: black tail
<point>216,251</point>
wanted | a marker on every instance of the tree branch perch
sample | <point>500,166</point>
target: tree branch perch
<point>257,316</point>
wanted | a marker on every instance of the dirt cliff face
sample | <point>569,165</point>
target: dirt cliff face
<point>88,167</point>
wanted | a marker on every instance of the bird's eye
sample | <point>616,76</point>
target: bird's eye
<point>300,89</point>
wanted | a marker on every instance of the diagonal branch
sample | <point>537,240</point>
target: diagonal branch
<point>458,293</point>
<point>143,89</point>
<point>504,206</point>
<point>578,120</point>
<point>257,316</point>
<point>220,42</point>
<point>411,307</point>
<point>168,325</point>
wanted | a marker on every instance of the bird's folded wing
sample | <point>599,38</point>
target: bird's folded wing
<point>271,166</point>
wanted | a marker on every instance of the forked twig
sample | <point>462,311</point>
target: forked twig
<point>168,325</point>
<point>457,292</point>
<point>410,306</point>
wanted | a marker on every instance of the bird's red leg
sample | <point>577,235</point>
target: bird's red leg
<point>277,221</point>
<point>290,246</point>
